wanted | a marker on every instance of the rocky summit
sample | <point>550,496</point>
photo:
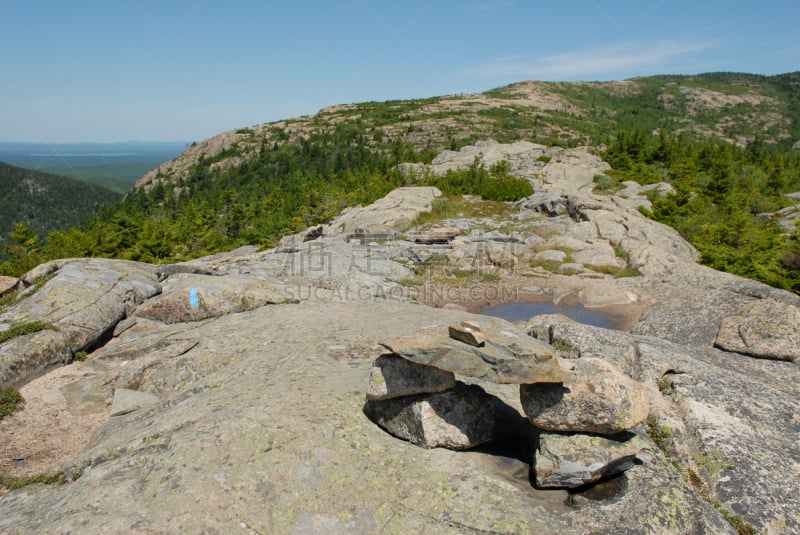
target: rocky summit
<point>344,382</point>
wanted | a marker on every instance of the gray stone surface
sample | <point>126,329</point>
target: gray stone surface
<point>127,401</point>
<point>569,461</point>
<point>570,268</point>
<point>457,419</point>
<point>550,254</point>
<point>765,329</point>
<point>398,209</point>
<point>598,253</point>
<point>392,376</point>
<point>580,342</point>
<point>501,257</point>
<point>264,425</point>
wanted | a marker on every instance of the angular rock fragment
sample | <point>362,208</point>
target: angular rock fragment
<point>436,235</point>
<point>765,329</point>
<point>8,285</point>
<point>460,418</point>
<point>570,461</point>
<point>505,358</point>
<point>468,332</point>
<point>595,398</point>
<point>394,376</point>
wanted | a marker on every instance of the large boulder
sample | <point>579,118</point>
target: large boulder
<point>569,461</point>
<point>457,419</point>
<point>577,340</point>
<point>596,397</point>
<point>25,357</point>
<point>501,257</point>
<point>764,328</point>
<point>396,210</point>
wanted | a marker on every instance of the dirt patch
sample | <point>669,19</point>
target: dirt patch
<point>45,434</point>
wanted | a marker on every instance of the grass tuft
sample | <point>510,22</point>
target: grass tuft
<point>25,328</point>
<point>10,400</point>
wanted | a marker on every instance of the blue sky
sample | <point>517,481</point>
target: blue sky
<point>117,70</point>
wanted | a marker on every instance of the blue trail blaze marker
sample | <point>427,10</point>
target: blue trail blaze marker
<point>193,299</point>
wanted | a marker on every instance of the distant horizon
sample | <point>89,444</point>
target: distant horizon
<point>126,142</point>
<point>188,70</point>
<point>189,142</point>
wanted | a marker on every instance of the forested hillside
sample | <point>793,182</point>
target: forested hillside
<point>44,202</point>
<point>724,199</point>
<point>727,142</point>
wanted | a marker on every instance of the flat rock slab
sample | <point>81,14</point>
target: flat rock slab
<point>595,398</point>
<point>765,329</point>
<point>392,377</point>
<point>570,461</point>
<point>457,419</point>
<point>507,357</point>
<point>127,401</point>
<point>192,297</point>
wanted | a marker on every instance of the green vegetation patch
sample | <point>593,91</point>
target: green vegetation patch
<point>457,207</point>
<point>606,184</point>
<point>546,264</point>
<point>722,194</point>
<point>10,400</point>
<point>493,184</point>
<point>25,328</point>
<point>12,483</point>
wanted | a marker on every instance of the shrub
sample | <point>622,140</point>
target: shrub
<point>493,184</point>
<point>606,184</point>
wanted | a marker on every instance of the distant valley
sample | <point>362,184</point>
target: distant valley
<point>45,202</point>
<point>115,166</point>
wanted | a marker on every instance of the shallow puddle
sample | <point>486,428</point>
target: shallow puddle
<point>525,311</point>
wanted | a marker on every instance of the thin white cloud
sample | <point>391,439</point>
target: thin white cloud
<point>594,62</point>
